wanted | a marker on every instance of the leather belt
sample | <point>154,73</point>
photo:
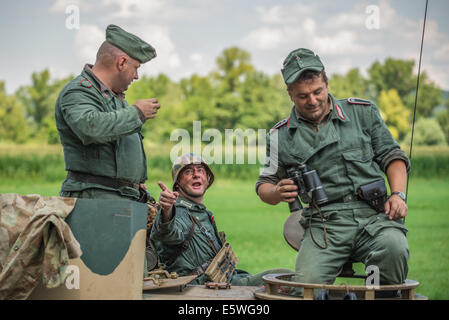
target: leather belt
<point>102,180</point>
<point>347,198</point>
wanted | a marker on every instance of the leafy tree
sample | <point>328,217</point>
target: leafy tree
<point>427,133</point>
<point>48,131</point>
<point>13,125</point>
<point>353,84</point>
<point>398,74</point>
<point>39,99</point>
<point>233,65</point>
<point>443,120</point>
<point>264,101</point>
<point>429,97</point>
<point>168,94</point>
<point>394,113</point>
<point>393,74</point>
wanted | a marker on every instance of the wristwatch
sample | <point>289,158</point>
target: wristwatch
<point>400,194</point>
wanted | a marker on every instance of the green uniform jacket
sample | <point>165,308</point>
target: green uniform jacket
<point>353,148</point>
<point>167,237</point>
<point>100,134</point>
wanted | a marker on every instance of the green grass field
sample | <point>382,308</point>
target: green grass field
<point>255,229</point>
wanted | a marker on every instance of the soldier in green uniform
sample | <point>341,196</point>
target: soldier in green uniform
<point>100,133</point>
<point>349,146</point>
<point>183,245</point>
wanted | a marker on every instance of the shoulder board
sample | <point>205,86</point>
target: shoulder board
<point>359,101</point>
<point>185,204</point>
<point>85,83</point>
<point>280,124</point>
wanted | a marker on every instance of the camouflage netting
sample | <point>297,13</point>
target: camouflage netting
<point>35,243</point>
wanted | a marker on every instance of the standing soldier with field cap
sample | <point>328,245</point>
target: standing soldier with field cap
<point>348,144</point>
<point>184,232</point>
<point>100,133</point>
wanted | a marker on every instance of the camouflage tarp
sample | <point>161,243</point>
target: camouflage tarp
<point>35,243</point>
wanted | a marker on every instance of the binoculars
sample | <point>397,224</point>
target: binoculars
<point>308,182</point>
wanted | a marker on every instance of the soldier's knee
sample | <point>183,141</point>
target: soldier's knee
<point>395,243</point>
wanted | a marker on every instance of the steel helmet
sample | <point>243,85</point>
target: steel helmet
<point>186,159</point>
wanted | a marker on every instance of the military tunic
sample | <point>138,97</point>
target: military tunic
<point>168,236</point>
<point>101,135</point>
<point>353,148</point>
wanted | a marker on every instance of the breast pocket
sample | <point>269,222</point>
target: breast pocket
<point>360,167</point>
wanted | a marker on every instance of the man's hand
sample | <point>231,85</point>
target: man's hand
<point>395,207</point>
<point>149,107</point>
<point>167,199</point>
<point>285,190</point>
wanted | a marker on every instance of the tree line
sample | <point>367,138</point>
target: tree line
<point>237,95</point>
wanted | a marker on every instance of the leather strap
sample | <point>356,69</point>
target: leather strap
<point>203,230</point>
<point>182,247</point>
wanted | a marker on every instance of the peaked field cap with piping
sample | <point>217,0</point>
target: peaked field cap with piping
<point>132,45</point>
<point>297,62</point>
<point>186,159</point>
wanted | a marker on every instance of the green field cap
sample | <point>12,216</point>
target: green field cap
<point>132,45</point>
<point>297,62</point>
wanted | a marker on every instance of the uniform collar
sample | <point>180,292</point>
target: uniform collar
<point>104,90</point>
<point>335,112</point>
<point>338,112</point>
<point>189,204</point>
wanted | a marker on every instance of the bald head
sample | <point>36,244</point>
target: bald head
<point>107,54</point>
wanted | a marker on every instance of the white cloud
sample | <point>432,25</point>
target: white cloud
<point>265,38</point>
<point>87,41</point>
<point>283,15</point>
<point>342,38</point>
<point>61,5</point>
<point>309,25</point>
<point>342,43</point>
<point>442,52</point>
<point>135,8</point>
<point>338,35</point>
<point>196,58</point>
<point>158,36</point>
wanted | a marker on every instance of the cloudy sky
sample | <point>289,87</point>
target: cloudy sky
<point>188,35</point>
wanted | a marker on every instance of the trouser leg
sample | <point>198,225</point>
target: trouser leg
<point>317,265</point>
<point>255,279</point>
<point>388,251</point>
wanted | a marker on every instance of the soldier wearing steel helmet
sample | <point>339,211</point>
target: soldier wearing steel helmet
<point>181,244</point>
<point>348,144</point>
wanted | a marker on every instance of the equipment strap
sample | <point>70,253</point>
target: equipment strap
<point>206,234</point>
<point>324,226</point>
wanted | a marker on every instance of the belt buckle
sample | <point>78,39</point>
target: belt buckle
<point>349,198</point>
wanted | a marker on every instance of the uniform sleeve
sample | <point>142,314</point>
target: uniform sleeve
<point>271,173</point>
<point>83,113</point>
<point>172,232</point>
<point>385,147</point>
